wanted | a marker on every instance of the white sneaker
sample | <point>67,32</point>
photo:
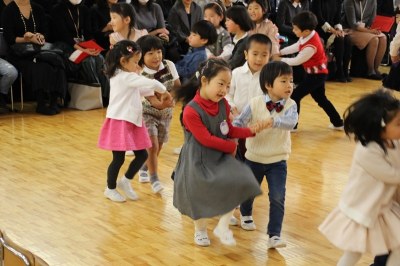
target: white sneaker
<point>341,128</point>
<point>177,151</point>
<point>125,185</point>
<point>129,153</point>
<point>233,221</point>
<point>201,238</point>
<point>247,223</point>
<point>226,237</point>
<point>276,242</point>
<point>144,176</point>
<point>114,195</point>
<point>157,187</point>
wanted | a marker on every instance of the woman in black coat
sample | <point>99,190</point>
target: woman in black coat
<point>26,22</point>
<point>329,13</point>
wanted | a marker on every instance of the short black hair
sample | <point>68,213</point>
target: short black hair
<point>259,38</point>
<point>367,117</point>
<point>240,16</point>
<point>305,21</point>
<point>206,30</point>
<point>148,43</point>
<point>263,4</point>
<point>271,71</point>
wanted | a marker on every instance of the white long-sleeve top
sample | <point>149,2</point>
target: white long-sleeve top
<point>127,90</point>
<point>244,86</point>
<point>395,43</point>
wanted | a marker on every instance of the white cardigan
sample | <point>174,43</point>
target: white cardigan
<point>127,90</point>
<point>373,182</point>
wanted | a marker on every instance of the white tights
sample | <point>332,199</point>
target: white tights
<point>223,223</point>
<point>394,258</point>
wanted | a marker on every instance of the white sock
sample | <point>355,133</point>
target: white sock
<point>349,258</point>
<point>223,224</point>
<point>200,225</point>
<point>394,258</point>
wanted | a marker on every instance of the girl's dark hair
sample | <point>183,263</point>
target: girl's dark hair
<point>263,4</point>
<point>240,16</point>
<point>206,30</point>
<point>125,10</point>
<point>125,49</point>
<point>367,117</point>
<point>271,71</point>
<point>305,20</point>
<point>136,5</point>
<point>148,43</point>
<point>218,9</point>
<point>208,69</point>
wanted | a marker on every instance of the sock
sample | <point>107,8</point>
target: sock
<point>154,178</point>
<point>144,167</point>
<point>349,258</point>
<point>125,179</point>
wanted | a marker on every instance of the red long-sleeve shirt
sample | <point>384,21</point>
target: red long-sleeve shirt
<point>193,123</point>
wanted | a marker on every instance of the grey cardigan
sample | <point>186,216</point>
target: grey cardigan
<point>352,13</point>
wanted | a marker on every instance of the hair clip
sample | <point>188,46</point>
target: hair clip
<point>197,74</point>
<point>129,48</point>
<point>383,124</point>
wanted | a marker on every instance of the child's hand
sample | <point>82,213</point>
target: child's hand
<point>167,100</point>
<point>268,123</point>
<point>255,128</point>
<point>234,112</point>
<point>234,152</point>
<point>395,59</point>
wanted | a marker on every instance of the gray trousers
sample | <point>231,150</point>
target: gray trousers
<point>8,74</point>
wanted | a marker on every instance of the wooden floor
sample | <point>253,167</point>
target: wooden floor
<point>53,175</point>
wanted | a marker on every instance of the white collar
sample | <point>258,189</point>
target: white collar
<point>152,71</point>
<point>306,39</point>
<point>246,69</point>
<point>235,40</point>
<point>295,4</point>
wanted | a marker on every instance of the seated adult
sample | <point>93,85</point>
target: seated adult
<point>100,22</point>
<point>328,13</point>
<point>8,74</point>
<point>358,17</point>
<point>182,16</point>
<point>25,22</point>
<point>71,25</point>
<point>149,16</point>
<point>287,9</point>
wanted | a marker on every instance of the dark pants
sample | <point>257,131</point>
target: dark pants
<point>380,260</point>
<point>275,174</point>
<point>314,84</point>
<point>118,161</point>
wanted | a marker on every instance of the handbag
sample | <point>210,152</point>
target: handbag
<point>31,49</point>
<point>85,96</point>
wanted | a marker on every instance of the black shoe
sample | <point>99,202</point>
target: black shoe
<point>349,79</point>
<point>374,77</point>
<point>44,110</point>
<point>343,80</point>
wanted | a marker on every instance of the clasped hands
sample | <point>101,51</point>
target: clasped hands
<point>37,38</point>
<point>261,125</point>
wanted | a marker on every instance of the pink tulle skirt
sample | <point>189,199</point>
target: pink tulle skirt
<point>120,135</point>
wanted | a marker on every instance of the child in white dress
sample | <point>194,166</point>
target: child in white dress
<point>368,216</point>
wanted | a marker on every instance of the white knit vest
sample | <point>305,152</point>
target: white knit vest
<point>270,145</point>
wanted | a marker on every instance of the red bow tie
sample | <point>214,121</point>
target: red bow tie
<point>277,106</point>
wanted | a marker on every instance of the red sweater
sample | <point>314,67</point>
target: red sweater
<point>193,123</point>
<point>317,64</point>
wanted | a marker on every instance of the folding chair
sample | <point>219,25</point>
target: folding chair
<point>15,255</point>
<point>3,53</point>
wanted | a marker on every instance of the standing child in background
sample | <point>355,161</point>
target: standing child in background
<point>258,12</point>
<point>238,23</point>
<point>312,56</point>
<point>223,47</point>
<point>203,33</point>
<point>123,129</point>
<point>368,216</point>
<point>123,22</point>
<point>268,152</point>
<point>156,113</point>
<point>209,181</point>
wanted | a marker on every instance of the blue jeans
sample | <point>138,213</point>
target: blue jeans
<point>276,177</point>
<point>8,74</point>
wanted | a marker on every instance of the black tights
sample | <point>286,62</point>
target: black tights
<point>118,161</point>
<point>342,50</point>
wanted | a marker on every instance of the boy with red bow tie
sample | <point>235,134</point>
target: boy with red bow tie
<point>269,150</point>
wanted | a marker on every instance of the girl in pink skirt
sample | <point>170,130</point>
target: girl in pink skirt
<point>367,218</point>
<point>123,130</point>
